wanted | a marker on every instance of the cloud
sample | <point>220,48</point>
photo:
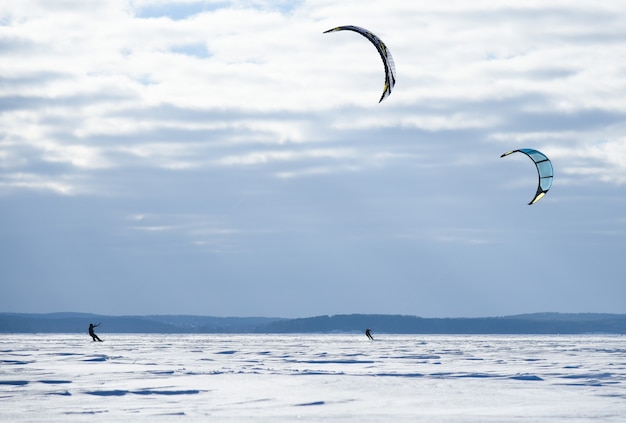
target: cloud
<point>105,66</point>
<point>18,181</point>
<point>266,157</point>
<point>194,85</point>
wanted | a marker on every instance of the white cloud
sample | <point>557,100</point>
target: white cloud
<point>58,184</point>
<point>605,162</point>
<point>255,158</point>
<point>87,86</point>
<point>315,171</point>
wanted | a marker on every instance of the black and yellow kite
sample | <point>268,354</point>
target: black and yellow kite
<point>390,67</point>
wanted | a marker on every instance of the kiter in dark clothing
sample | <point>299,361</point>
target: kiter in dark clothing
<point>368,333</point>
<point>92,333</point>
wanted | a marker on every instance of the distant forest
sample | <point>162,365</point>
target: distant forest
<point>539,323</point>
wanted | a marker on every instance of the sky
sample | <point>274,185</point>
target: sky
<point>228,158</point>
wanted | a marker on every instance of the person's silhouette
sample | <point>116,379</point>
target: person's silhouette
<point>368,333</point>
<point>92,333</point>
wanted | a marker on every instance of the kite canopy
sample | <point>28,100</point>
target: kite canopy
<point>390,67</point>
<point>544,169</point>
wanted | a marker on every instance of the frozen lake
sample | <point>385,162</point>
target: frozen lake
<point>284,378</point>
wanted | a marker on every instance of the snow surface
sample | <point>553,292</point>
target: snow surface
<point>337,378</point>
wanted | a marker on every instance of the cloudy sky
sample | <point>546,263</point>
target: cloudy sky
<point>228,158</point>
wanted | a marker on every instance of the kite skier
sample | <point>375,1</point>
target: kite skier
<point>92,333</point>
<point>368,333</point>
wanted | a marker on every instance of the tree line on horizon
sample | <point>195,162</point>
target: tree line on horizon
<point>538,323</point>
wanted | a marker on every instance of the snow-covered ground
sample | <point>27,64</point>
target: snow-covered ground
<point>286,378</point>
